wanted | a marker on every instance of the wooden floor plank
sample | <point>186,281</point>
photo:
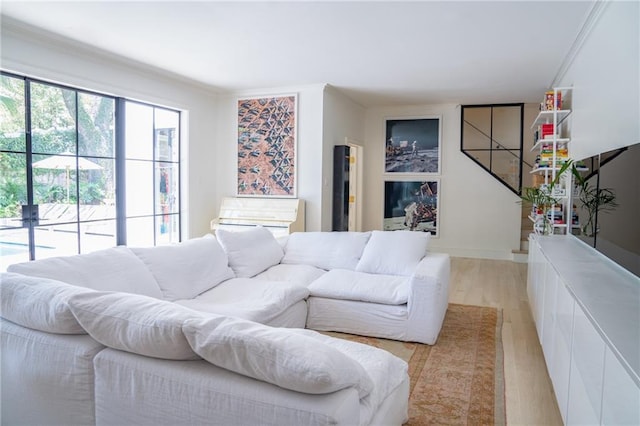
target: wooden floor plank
<point>502,284</point>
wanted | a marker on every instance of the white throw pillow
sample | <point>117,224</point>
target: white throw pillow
<point>186,269</point>
<point>291,360</point>
<point>133,323</point>
<point>250,252</point>
<point>393,252</point>
<point>112,269</point>
<point>39,303</point>
<point>325,250</point>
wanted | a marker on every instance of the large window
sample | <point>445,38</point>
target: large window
<point>82,171</point>
<point>152,168</point>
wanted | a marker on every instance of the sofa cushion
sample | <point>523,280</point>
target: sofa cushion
<point>248,298</point>
<point>112,269</point>
<point>276,355</point>
<point>302,275</point>
<point>39,303</point>
<point>325,250</point>
<point>393,252</point>
<point>250,252</point>
<point>385,369</point>
<point>353,285</point>
<point>186,269</point>
<point>134,323</point>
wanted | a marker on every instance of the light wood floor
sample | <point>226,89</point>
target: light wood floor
<point>502,284</point>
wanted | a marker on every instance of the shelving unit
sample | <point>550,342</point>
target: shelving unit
<point>553,148</point>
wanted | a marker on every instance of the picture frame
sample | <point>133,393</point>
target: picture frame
<point>267,142</point>
<point>412,145</point>
<point>412,204</point>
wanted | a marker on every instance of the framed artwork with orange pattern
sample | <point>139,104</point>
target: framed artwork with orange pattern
<point>267,165</point>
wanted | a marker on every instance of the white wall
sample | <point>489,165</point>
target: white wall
<point>478,216</point>
<point>605,75</point>
<point>342,118</point>
<point>309,150</point>
<point>43,56</point>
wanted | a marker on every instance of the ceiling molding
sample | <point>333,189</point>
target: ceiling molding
<point>590,22</point>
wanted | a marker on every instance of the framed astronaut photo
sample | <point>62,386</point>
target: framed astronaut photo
<point>411,205</point>
<point>412,145</point>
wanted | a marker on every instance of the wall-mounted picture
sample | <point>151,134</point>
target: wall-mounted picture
<point>267,146</point>
<point>412,145</point>
<point>411,205</point>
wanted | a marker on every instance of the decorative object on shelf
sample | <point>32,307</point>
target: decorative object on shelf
<point>545,200</point>
<point>267,146</point>
<point>594,200</point>
<point>411,205</point>
<point>412,145</point>
<point>552,100</point>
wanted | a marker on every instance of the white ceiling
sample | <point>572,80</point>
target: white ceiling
<point>378,53</point>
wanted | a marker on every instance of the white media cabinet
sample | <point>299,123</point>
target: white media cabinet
<point>587,314</point>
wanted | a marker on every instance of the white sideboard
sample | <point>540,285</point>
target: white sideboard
<point>587,314</point>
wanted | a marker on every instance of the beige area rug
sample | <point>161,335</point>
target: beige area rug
<point>460,379</point>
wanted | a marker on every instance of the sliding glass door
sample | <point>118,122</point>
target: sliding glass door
<point>69,184</point>
<point>14,189</point>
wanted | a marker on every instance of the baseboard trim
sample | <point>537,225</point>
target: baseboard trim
<point>475,253</point>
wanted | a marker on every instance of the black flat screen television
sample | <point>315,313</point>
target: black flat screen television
<point>617,228</point>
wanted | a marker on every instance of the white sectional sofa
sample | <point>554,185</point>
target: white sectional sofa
<point>210,331</point>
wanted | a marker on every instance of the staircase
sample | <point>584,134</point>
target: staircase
<point>526,228</point>
<point>504,159</point>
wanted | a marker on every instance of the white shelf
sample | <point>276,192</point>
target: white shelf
<point>547,117</point>
<point>544,169</point>
<point>545,141</point>
<point>553,161</point>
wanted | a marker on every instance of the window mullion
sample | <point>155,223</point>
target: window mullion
<point>121,196</point>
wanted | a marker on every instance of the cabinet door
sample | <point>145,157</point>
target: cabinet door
<point>563,337</point>
<point>533,274</point>
<point>541,288</point>
<point>621,395</point>
<point>548,338</point>
<point>587,367</point>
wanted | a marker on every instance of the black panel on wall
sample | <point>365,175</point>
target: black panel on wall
<point>340,220</point>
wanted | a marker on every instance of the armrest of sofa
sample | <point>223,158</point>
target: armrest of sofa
<point>428,297</point>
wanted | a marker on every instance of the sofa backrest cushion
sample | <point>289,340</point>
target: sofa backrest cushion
<point>325,250</point>
<point>186,269</point>
<point>112,269</point>
<point>279,356</point>
<point>39,303</point>
<point>133,323</point>
<point>250,252</point>
<point>393,252</point>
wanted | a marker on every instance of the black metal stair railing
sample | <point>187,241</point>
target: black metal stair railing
<point>505,162</point>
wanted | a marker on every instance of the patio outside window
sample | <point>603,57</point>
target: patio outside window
<point>63,163</point>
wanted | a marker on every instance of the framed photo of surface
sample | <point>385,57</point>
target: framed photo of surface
<point>267,165</point>
<point>411,205</point>
<point>412,145</point>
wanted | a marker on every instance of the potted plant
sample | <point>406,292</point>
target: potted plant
<point>542,199</point>
<point>594,200</point>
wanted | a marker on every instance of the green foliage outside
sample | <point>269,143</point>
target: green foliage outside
<point>53,131</point>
